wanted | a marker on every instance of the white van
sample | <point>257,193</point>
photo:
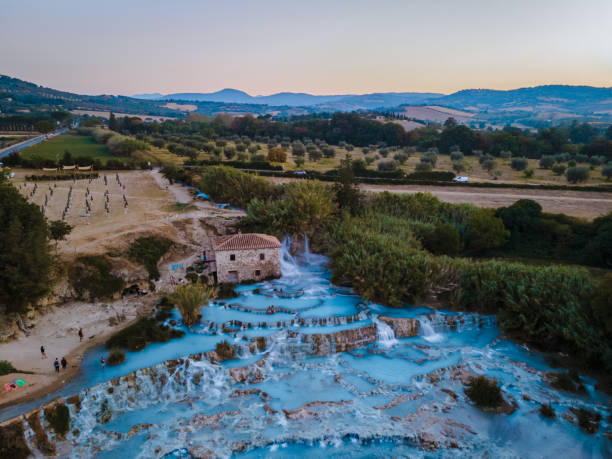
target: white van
<point>460,179</point>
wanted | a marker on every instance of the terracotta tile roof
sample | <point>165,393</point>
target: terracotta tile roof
<point>247,241</point>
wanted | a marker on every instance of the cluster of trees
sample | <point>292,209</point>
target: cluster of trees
<point>25,255</point>
<point>43,122</point>
<point>117,144</point>
<point>353,129</point>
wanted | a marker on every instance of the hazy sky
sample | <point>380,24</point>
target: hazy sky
<point>321,47</point>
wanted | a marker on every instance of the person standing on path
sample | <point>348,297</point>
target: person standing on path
<point>56,364</point>
<point>80,334</point>
<point>42,352</point>
<point>64,363</point>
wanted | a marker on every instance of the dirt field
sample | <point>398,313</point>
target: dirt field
<point>576,203</point>
<point>582,204</point>
<point>151,206</point>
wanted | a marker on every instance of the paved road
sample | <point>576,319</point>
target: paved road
<point>28,143</point>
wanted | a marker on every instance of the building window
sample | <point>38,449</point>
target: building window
<point>262,256</point>
<point>233,257</point>
<point>257,272</point>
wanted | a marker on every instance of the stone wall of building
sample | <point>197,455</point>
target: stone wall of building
<point>246,264</point>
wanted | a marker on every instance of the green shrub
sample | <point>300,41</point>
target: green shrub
<point>115,357</point>
<point>6,368</point>
<point>58,417</point>
<point>547,161</point>
<point>136,336</point>
<point>226,290</point>
<point>91,274</point>
<point>547,411</point>
<point>225,184</point>
<point>147,251</point>
<point>518,164</point>
<point>577,174</point>
<point>558,169</point>
<point>485,393</point>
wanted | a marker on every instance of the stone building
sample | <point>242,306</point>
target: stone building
<point>244,257</point>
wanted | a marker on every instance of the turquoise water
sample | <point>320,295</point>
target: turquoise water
<point>388,396</point>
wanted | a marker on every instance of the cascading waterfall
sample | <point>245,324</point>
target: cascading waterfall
<point>284,395</point>
<point>385,336</point>
<point>289,265</point>
<point>428,332</point>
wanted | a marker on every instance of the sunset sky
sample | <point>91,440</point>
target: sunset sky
<point>320,47</point>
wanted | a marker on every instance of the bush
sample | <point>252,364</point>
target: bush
<point>147,251</point>
<point>485,393</point>
<point>547,411</point>
<point>518,164</point>
<point>385,166</point>
<point>423,166</point>
<point>115,357</point>
<point>59,418</point>
<point>529,173</point>
<point>577,174</point>
<point>137,336</point>
<point>547,161</point>
<point>456,156</point>
<point>277,155</point>
<point>91,276</point>
<point>558,169</point>
<point>606,171</point>
<point>6,368</point>
<point>226,290</point>
<point>440,176</point>
<point>443,240</point>
<point>225,184</point>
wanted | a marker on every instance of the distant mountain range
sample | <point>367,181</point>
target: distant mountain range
<point>296,99</point>
<point>535,106</point>
<point>538,104</point>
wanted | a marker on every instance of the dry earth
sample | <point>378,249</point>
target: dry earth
<point>152,210</point>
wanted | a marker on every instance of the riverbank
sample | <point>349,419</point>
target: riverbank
<point>58,331</point>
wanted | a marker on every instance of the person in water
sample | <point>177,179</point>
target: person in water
<point>56,364</point>
<point>64,363</point>
<point>102,362</point>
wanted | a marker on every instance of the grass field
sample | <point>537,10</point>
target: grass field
<point>77,145</point>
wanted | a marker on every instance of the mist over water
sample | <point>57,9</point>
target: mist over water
<point>298,396</point>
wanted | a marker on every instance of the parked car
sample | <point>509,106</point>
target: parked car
<point>460,179</point>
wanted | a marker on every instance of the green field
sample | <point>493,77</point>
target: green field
<point>77,145</point>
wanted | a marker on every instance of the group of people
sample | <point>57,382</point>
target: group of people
<point>63,363</point>
<point>270,309</point>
